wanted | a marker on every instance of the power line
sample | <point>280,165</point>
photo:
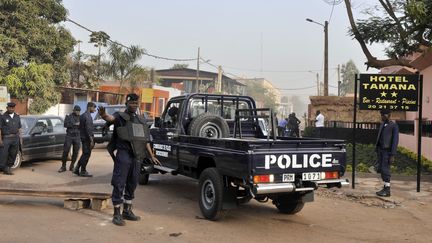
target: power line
<point>127,47</point>
<point>271,71</point>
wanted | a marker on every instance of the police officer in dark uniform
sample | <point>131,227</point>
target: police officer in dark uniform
<point>10,124</point>
<point>386,148</point>
<point>87,140</point>
<point>71,123</point>
<point>131,142</point>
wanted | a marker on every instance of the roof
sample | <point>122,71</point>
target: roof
<point>190,74</point>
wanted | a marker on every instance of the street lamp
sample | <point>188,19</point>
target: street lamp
<point>325,25</point>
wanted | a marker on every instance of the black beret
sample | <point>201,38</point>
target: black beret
<point>77,108</point>
<point>385,111</point>
<point>11,104</point>
<point>132,97</point>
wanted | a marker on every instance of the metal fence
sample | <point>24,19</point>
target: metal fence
<point>427,129</point>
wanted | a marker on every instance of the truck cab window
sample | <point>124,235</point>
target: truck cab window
<point>170,117</point>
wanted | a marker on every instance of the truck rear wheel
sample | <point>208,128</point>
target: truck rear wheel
<point>143,179</point>
<point>211,194</point>
<point>289,204</point>
<point>209,126</point>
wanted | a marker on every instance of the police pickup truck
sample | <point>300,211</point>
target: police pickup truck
<point>218,140</point>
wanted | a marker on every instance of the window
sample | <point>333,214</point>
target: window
<point>46,126</point>
<point>169,118</point>
<point>197,107</point>
<point>57,124</point>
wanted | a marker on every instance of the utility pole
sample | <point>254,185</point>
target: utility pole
<point>318,84</point>
<point>197,85</point>
<point>326,58</point>
<point>219,80</point>
<point>339,82</point>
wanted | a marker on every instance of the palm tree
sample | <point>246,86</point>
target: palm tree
<point>123,65</point>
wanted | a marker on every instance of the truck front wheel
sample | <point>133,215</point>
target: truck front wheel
<point>289,204</point>
<point>211,194</point>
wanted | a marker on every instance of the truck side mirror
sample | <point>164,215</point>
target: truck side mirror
<point>157,122</point>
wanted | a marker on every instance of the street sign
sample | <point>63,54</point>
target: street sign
<point>393,92</point>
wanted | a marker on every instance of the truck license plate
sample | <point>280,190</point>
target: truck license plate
<point>311,176</point>
<point>287,177</point>
<point>97,135</point>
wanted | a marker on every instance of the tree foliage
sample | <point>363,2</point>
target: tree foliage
<point>261,94</point>
<point>33,50</point>
<point>83,71</point>
<point>348,72</point>
<point>404,26</point>
<point>180,66</point>
<point>123,66</point>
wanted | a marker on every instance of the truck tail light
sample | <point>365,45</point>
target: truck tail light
<point>263,178</point>
<point>330,175</point>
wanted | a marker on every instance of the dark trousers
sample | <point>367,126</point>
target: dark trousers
<point>318,131</point>
<point>384,164</point>
<point>85,156</point>
<point>281,131</point>
<point>125,176</point>
<point>9,151</point>
<point>71,141</point>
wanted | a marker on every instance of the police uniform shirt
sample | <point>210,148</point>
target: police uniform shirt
<point>86,125</point>
<point>119,122</point>
<point>71,128</point>
<point>10,125</point>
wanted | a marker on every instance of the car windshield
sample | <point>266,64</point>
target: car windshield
<point>26,124</point>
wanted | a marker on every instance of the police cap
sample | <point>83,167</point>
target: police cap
<point>132,97</point>
<point>11,104</point>
<point>77,108</point>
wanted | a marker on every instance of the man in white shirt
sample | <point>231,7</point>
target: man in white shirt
<point>319,123</point>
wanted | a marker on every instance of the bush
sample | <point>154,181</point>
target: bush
<point>405,161</point>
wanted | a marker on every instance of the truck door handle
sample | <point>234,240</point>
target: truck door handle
<point>170,135</point>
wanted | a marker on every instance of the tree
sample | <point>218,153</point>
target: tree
<point>261,94</point>
<point>348,71</point>
<point>180,66</point>
<point>404,26</point>
<point>33,50</point>
<point>83,70</point>
<point>123,65</point>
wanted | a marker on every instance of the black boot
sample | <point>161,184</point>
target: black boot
<point>76,170</point>
<point>7,171</point>
<point>117,217</point>
<point>62,168</point>
<point>71,166</point>
<point>385,192</point>
<point>128,214</point>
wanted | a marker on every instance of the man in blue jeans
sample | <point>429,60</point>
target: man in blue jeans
<point>386,148</point>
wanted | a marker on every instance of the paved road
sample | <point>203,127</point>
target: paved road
<point>169,208</point>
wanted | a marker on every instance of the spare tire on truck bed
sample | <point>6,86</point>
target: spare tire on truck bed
<point>209,126</point>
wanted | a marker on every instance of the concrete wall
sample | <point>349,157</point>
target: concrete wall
<point>410,142</point>
<point>60,110</point>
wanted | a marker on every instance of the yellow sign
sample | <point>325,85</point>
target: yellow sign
<point>147,95</point>
<point>394,92</point>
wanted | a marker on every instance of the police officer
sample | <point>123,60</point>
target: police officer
<point>386,147</point>
<point>71,123</point>
<point>10,124</point>
<point>87,140</point>
<point>131,145</point>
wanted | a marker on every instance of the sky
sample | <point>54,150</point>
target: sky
<point>248,38</point>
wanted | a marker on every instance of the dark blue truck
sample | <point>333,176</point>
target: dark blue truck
<point>220,140</point>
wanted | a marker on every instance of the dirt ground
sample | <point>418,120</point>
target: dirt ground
<point>170,212</point>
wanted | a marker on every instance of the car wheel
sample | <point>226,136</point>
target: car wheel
<point>289,204</point>
<point>209,126</point>
<point>143,179</point>
<point>18,161</point>
<point>211,194</point>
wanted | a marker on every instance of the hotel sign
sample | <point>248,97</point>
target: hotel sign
<point>394,92</point>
